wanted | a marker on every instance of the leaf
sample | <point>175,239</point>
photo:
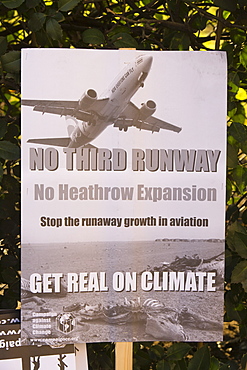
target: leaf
<point>163,365</point>
<point>240,242</point>
<point>228,189</point>
<point>244,361</point>
<point>240,115</point>
<point>233,81</point>
<point>11,184</point>
<point>6,207</point>
<point>93,36</point>
<point>36,21</point>
<point>66,5</point>
<point>232,108</point>
<point>177,351</point>
<point>201,359</point>
<point>124,40</point>
<point>229,48</point>
<point>12,4</point>
<point>239,273</point>
<point>7,301</point>
<point>32,3</point>
<point>230,5</point>
<point>244,217</point>
<point>42,38</point>
<point>58,16</point>
<point>225,367</point>
<point>105,362</point>
<point>9,151</point>
<point>156,352</point>
<point>11,61</point>
<point>3,126</point>
<point>243,56</point>
<point>237,36</point>
<point>180,365</point>
<point>9,275</point>
<point>232,305</point>
<point>242,2</point>
<point>8,227</point>
<point>214,364</point>
<point>238,131</point>
<point>232,229</point>
<point>1,172</point>
<point>53,29</point>
<point>118,29</point>
<point>244,285</point>
<point>198,21</point>
<point>12,131</point>
<point>142,358</point>
<point>240,177</point>
<point>3,45</point>
<point>241,94</point>
<point>180,41</point>
<point>232,156</point>
<point>232,213</point>
<point>17,170</point>
<point>8,261</point>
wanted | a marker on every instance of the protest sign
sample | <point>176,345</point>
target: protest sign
<point>123,194</point>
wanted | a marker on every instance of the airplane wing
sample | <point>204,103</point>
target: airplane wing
<point>158,123</point>
<point>55,103</point>
<point>65,107</point>
<point>131,117</point>
<point>62,108</point>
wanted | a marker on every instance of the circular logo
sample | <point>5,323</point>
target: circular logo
<point>65,322</point>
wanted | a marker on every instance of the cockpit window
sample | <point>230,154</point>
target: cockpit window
<point>139,61</point>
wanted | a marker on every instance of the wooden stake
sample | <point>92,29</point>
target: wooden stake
<point>124,355</point>
<point>124,350</point>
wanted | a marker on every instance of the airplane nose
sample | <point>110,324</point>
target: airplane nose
<point>147,63</point>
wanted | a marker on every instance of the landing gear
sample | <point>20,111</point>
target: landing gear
<point>123,128</point>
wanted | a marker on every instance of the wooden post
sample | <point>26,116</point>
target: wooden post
<point>124,350</point>
<point>124,355</point>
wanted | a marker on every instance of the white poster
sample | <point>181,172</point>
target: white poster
<point>123,195</point>
<point>15,355</point>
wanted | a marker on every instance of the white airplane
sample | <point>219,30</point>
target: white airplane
<point>94,114</point>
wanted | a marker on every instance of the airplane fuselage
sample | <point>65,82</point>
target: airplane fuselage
<point>119,94</point>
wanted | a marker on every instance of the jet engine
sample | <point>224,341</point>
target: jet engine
<point>87,99</point>
<point>147,109</point>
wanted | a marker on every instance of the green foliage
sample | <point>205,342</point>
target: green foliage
<point>66,5</point>
<point>200,360</point>
<point>151,25</point>
<point>93,36</point>
<point>36,21</point>
<point>11,61</point>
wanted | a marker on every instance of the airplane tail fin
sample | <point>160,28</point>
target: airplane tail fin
<point>57,141</point>
<point>60,141</point>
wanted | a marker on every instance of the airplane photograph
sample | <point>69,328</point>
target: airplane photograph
<point>92,115</point>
